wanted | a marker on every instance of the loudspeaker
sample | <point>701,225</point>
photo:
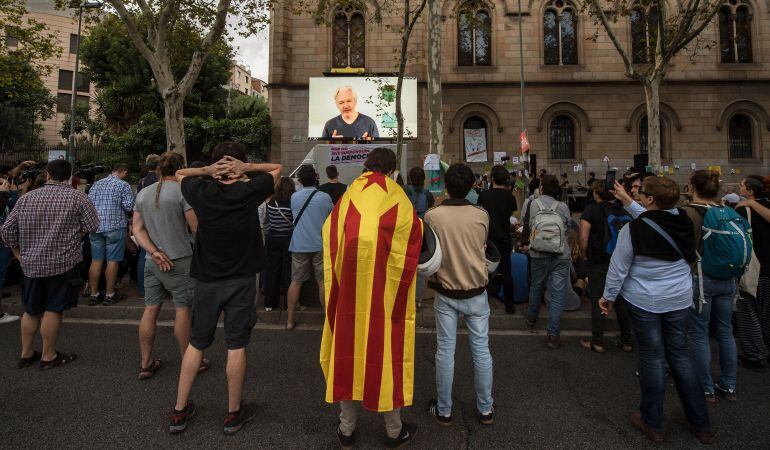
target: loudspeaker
<point>640,161</point>
<point>532,165</point>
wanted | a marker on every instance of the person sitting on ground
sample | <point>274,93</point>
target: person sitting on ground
<point>333,187</point>
<point>160,223</point>
<point>50,256</point>
<point>309,208</point>
<point>227,256</point>
<point>460,286</point>
<point>650,269</point>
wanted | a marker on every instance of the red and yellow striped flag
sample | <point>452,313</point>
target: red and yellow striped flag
<point>372,242</point>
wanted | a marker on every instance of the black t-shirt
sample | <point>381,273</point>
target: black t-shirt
<point>228,244</point>
<point>362,124</point>
<point>148,179</point>
<point>760,229</point>
<point>596,215</point>
<point>500,204</point>
<point>335,190</point>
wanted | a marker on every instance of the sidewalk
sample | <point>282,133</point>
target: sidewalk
<point>133,306</point>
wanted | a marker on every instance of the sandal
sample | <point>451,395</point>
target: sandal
<point>588,345</point>
<point>205,365</point>
<point>145,373</point>
<point>95,300</point>
<point>114,298</point>
<point>61,359</point>
<point>28,361</point>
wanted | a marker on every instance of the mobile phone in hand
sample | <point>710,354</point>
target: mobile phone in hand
<point>609,180</point>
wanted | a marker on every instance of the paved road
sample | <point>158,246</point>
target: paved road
<point>567,398</point>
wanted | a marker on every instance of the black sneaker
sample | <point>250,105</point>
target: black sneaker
<point>95,300</point>
<point>236,420</point>
<point>488,418</point>
<point>510,309</point>
<point>346,442</point>
<point>728,394</point>
<point>179,419</point>
<point>444,421</point>
<point>710,397</point>
<point>407,433</point>
<point>531,322</point>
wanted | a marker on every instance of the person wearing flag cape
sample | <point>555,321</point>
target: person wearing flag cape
<point>372,242</point>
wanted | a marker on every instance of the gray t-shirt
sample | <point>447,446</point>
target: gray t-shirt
<point>166,223</point>
<point>362,124</point>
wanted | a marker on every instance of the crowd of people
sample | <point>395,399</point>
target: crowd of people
<point>677,266</point>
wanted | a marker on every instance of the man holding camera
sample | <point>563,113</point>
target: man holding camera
<point>44,231</point>
<point>113,200</point>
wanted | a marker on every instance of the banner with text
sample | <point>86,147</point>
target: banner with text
<point>348,154</point>
<point>475,144</point>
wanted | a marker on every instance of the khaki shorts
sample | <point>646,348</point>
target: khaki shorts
<point>177,282</point>
<point>303,265</point>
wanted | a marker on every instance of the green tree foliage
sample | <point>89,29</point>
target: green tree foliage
<point>125,80</point>
<point>243,106</point>
<point>24,100</point>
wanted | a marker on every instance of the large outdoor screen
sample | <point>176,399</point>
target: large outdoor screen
<point>360,107</point>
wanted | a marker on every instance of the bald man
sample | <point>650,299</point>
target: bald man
<point>350,123</point>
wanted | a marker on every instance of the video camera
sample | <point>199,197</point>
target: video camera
<point>32,172</point>
<point>89,171</point>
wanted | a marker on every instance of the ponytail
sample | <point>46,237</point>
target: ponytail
<point>169,163</point>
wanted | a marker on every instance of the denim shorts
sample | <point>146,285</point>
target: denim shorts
<point>110,244</point>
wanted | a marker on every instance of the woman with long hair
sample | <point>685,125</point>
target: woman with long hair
<point>650,268</point>
<point>716,311</point>
<point>278,229</point>
<point>753,312</point>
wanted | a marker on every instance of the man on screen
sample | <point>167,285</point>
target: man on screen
<point>350,123</point>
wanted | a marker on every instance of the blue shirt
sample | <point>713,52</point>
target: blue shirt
<point>650,284</point>
<point>307,232</point>
<point>113,200</point>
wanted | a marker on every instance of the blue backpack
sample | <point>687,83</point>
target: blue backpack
<point>726,243</point>
<point>616,218</point>
<point>419,200</point>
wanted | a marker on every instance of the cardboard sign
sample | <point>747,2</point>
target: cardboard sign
<point>432,162</point>
<point>475,144</point>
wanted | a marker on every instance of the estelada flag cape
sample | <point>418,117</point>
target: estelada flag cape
<point>372,242</point>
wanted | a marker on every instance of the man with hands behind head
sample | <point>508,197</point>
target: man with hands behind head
<point>225,262</point>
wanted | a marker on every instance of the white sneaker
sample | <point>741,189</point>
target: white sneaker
<point>268,309</point>
<point>7,318</point>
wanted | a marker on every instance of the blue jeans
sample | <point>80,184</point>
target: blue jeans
<point>555,271</point>
<point>140,269</point>
<point>718,311</point>
<point>475,310</point>
<point>660,338</point>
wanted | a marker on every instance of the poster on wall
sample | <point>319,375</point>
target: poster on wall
<point>475,144</point>
<point>340,155</point>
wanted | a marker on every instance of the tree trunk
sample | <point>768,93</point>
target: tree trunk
<point>435,111</point>
<point>173,108</point>
<point>399,84</point>
<point>652,97</point>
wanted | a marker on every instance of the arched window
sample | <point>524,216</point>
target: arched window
<point>560,33</point>
<point>348,38</point>
<point>644,33</point>
<point>740,137</point>
<point>735,32</point>
<point>474,37</point>
<point>562,137</point>
<point>475,143</point>
<point>643,137</point>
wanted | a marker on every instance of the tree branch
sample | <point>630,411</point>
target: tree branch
<point>165,20</point>
<point>199,57</point>
<point>134,34</point>
<point>699,29</point>
<point>599,12</point>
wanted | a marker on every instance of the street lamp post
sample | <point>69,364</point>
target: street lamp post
<point>81,6</point>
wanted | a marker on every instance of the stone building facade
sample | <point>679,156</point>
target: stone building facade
<point>64,26</point>
<point>579,104</point>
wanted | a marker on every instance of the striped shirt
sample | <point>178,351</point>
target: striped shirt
<point>279,220</point>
